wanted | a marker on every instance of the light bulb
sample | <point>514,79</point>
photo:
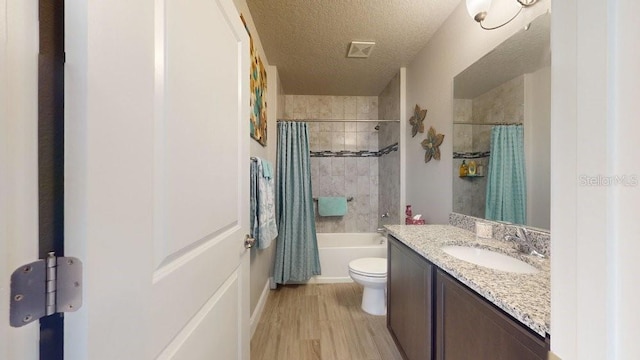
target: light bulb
<point>478,8</point>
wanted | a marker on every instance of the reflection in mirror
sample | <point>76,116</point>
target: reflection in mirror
<point>501,131</point>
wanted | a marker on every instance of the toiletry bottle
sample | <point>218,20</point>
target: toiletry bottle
<point>464,170</point>
<point>472,168</point>
<point>408,211</point>
<point>480,170</point>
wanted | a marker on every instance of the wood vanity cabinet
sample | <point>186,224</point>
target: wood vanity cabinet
<point>468,327</point>
<point>410,281</point>
<point>431,315</point>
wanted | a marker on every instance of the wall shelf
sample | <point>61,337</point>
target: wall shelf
<point>471,176</point>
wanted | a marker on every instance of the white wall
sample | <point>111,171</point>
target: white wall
<point>595,111</point>
<point>262,260</point>
<point>537,141</point>
<point>626,227</point>
<point>456,45</point>
<point>18,163</point>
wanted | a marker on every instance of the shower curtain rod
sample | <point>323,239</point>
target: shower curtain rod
<point>336,120</point>
<point>466,123</point>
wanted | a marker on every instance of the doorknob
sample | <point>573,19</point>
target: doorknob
<point>249,242</point>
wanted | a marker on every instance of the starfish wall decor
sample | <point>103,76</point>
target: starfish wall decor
<point>417,121</point>
<point>432,145</point>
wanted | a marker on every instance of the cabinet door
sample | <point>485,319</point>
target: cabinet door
<point>470,328</point>
<point>410,281</point>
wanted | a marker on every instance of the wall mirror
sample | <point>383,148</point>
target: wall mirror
<point>501,131</point>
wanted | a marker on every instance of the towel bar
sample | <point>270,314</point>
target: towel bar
<point>350,198</point>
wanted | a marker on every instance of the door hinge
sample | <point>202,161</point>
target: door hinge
<point>45,287</point>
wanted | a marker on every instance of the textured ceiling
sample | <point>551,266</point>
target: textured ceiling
<point>308,40</point>
<point>524,52</point>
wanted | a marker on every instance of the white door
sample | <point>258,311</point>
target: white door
<point>18,162</point>
<point>156,183</point>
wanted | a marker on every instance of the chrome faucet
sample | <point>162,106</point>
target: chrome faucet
<point>383,232</point>
<point>523,243</point>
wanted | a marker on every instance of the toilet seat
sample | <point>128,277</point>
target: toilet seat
<point>370,267</point>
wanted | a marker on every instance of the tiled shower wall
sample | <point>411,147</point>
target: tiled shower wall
<point>349,177</point>
<point>469,193</point>
<point>355,177</point>
<point>389,164</point>
<point>330,107</point>
<point>389,180</point>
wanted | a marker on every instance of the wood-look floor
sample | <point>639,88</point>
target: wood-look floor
<point>322,321</point>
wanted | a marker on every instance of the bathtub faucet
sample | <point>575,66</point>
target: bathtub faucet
<point>383,232</point>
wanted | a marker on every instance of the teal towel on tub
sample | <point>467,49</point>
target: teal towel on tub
<point>332,206</point>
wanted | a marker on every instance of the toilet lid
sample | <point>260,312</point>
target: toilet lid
<point>369,266</point>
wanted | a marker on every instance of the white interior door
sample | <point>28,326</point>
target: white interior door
<point>18,162</point>
<point>156,183</point>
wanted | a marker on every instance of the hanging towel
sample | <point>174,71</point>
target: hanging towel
<point>263,209</point>
<point>267,169</point>
<point>332,206</point>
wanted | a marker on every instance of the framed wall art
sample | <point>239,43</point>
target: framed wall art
<point>258,88</point>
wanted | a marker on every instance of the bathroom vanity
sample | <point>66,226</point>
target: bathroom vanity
<point>441,307</point>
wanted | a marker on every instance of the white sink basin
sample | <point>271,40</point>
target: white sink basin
<point>490,259</point>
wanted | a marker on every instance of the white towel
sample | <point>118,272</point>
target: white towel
<point>267,229</point>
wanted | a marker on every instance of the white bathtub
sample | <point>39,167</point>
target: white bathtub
<point>337,250</point>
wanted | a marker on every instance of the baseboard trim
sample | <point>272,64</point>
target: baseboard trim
<point>323,280</point>
<point>553,356</point>
<point>257,312</point>
<point>329,280</point>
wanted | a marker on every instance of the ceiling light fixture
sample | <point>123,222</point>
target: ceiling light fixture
<point>478,11</point>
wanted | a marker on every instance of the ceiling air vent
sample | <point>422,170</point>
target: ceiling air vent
<point>360,49</point>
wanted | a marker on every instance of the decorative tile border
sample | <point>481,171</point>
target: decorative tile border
<point>541,239</point>
<point>388,150</point>
<point>361,153</point>
<point>471,155</point>
<point>344,153</point>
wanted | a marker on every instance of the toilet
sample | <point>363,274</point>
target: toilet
<point>372,274</point>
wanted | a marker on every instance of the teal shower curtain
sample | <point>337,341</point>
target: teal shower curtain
<point>297,246</point>
<point>506,187</point>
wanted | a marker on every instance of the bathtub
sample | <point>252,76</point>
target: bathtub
<point>336,250</point>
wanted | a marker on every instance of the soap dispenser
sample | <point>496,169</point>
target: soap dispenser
<point>464,170</point>
<point>472,168</point>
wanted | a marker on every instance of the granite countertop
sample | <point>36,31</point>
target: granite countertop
<point>526,297</point>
